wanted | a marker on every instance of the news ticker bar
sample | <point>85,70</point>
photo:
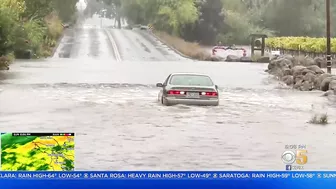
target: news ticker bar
<point>103,175</point>
<point>43,134</point>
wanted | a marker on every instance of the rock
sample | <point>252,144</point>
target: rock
<point>232,58</point>
<point>320,62</point>
<point>272,64</point>
<point>308,62</point>
<point>297,70</point>
<point>310,77</point>
<point>325,83</point>
<point>330,93</point>
<point>215,58</point>
<point>307,86</point>
<point>298,78</point>
<point>319,79</point>
<point>279,67</point>
<point>303,73</point>
<point>332,85</point>
<point>287,71</point>
<point>298,84</point>
<point>284,63</point>
<point>289,57</point>
<point>246,59</point>
<point>288,79</point>
<point>263,59</point>
<point>315,69</point>
<point>303,61</point>
<point>306,70</point>
<point>277,72</point>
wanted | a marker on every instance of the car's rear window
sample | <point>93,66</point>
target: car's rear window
<point>192,80</point>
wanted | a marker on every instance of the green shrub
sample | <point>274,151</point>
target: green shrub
<point>306,44</point>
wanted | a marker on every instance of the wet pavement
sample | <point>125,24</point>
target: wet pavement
<point>112,106</point>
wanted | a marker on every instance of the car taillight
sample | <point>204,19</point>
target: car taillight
<point>209,93</point>
<point>174,92</point>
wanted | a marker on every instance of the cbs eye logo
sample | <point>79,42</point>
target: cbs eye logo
<point>300,157</point>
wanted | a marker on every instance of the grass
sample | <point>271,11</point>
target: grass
<point>192,50</point>
<point>319,119</point>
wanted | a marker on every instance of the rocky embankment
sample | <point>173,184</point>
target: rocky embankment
<point>303,74</point>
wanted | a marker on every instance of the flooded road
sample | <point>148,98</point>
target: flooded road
<point>111,106</point>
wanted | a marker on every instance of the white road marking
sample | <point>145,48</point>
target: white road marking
<point>114,45</point>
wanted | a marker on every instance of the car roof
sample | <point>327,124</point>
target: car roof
<point>200,74</point>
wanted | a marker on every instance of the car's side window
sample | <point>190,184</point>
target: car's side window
<point>166,82</point>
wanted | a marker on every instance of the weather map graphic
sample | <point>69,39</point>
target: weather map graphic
<point>37,151</point>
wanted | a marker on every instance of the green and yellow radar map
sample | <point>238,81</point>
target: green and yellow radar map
<point>37,151</point>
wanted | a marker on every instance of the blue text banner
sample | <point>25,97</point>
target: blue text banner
<point>170,179</point>
<point>171,175</point>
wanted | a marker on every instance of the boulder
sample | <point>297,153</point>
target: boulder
<point>332,85</point>
<point>287,71</point>
<point>298,84</point>
<point>246,59</point>
<point>277,64</point>
<point>315,69</point>
<point>303,73</point>
<point>297,70</point>
<point>288,79</point>
<point>320,62</point>
<point>306,70</point>
<point>215,58</point>
<point>310,77</point>
<point>298,78</point>
<point>325,83</point>
<point>263,59</point>
<point>306,86</point>
<point>288,57</point>
<point>232,58</point>
<point>307,61</point>
<point>319,79</point>
<point>277,72</point>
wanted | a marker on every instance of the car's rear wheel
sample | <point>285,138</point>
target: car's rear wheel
<point>165,102</point>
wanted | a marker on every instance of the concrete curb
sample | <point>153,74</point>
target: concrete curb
<point>58,42</point>
<point>171,47</point>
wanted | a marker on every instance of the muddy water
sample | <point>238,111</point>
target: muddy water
<point>112,107</point>
<point>120,126</point>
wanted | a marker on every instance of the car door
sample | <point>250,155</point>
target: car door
<point>163,88</point>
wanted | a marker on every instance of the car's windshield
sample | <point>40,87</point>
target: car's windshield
<point>194,80</point>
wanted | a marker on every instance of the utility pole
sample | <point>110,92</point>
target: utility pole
<point>328,37</point>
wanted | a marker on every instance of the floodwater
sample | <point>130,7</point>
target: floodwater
<point>112,107</point>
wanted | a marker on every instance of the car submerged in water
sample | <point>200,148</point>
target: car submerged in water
<point>188,89</point>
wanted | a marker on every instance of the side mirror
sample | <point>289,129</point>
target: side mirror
<point>216,86</point>
<point>159,85</point>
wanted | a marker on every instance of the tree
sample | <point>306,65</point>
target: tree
<point>210,22</point>
<point>66,9</point>
<point>37,9</point>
